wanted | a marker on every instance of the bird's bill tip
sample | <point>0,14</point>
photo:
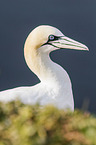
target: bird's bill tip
<point>87,49</point>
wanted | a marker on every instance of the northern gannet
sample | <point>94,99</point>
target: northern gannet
<point>55,86</point>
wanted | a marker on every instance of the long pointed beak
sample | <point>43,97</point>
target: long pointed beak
<point>65,42</point>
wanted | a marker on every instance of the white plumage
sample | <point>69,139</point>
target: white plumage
<point>55,85</point>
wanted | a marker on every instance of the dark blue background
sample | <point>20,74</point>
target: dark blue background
<point>75,18</point>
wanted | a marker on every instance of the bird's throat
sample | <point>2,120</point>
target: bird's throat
<point>39,63</point>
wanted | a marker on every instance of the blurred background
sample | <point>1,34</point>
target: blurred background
<point>75,18</point>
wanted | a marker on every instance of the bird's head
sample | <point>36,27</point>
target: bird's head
<point>47,38</point>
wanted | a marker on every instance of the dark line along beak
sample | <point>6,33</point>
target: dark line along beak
<point>65,42</point>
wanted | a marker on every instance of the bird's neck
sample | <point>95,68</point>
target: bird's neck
<point>47,71</point>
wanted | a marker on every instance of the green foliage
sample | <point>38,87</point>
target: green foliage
<point>33,125</point>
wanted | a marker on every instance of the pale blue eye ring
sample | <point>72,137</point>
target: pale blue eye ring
<point>51,37</point>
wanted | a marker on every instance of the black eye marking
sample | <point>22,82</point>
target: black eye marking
<point>53,38</point>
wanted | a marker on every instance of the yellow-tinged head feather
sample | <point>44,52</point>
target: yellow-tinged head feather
<point>39,36</point>
<point>34,41</point>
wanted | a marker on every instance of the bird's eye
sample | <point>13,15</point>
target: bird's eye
<point>51,37</point>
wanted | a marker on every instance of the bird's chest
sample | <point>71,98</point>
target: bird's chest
<point>45,95</point>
